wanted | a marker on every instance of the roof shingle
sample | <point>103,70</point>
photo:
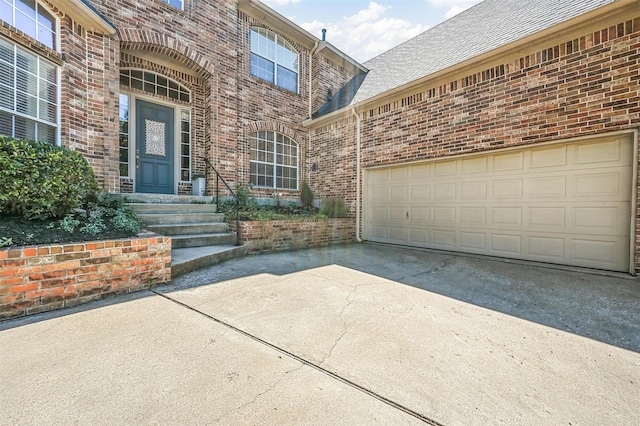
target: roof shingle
<point>479,29</point>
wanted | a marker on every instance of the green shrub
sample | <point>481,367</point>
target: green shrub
<point>306,195</point>
<point>40,180</point>
<point>106,210</point>
<point>333,207</point>
<point>244,195</point>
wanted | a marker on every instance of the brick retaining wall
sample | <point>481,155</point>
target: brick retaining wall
<point>279,235</point>
<point>42,278</point>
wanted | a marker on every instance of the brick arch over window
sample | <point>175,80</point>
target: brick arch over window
<point>298,137</point>
<point>144,40</point>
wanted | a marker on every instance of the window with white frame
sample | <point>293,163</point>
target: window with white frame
<point>274,59</point>
<point>178,4</point>
<point>154,84</point>
<point>274,161</point>
<point>124,135</point>
<point>28,95</point>
<point>185,145</point>
<point>32,19</point>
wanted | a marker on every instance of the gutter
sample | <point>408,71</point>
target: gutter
<point>576,22</point>
<point>358,125</point>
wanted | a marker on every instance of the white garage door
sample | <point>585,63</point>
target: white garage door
<point>567,204</point>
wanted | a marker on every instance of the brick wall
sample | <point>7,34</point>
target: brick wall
<point>587,84</point>
<point>334,154</point>
<point>42,278</point>
<point>327,75</point>
<point>577,87</point>
<point>265,106</point>
<point>279,235</point>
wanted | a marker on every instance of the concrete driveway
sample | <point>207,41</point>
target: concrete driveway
<point>359,334</point>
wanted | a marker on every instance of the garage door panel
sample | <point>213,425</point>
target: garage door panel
<point>445,168</point>
<point>473,241</point>
<point>505,244</point>
<point>399,194</point>
<point>476,190</point>
<point>398,173</point>
<point>506,216</point>
<point>508,188</point>
<point>380,214</point>
<point>378,177</point>
<point>610,220</point>
<point>420,214</point>
<point>589,153</point>
<point>444,215</point>
<point>398,234</point>
<point>548,157</point>
<point>546,187</point>
<point>418,236</point>
<point>590,251</point>
<point>379,193</point>
<point>444,191</point>
<point>546,248</point>
<point>597,184</point>
<point>419,172</point>
<point>567,204</point>
<point>443,238</point>
<point>420,192</point>
<point>508,162</point>
<point>474,165</point>
<point>476,216</point>
<point>379,233</point>
<point>547,217</point>
<point>397,214</point>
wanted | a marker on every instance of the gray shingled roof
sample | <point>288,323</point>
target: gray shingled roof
<point>477,30</point>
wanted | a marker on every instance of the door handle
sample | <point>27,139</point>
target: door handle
<point>137,158</point>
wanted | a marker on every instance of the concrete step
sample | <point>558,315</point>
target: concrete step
<point>202,240</point>
<point>172,208</point>
<point>185,260</point>
<point>166,198</point>
<point>180,218</point>
<point>189,228</point>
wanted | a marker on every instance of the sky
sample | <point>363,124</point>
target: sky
<point>364,29</point>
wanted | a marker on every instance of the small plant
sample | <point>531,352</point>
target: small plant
<point>94,224</point>
<point>69,223</point>
<point>244,195</point>
<point>333,207</point>
<point>6,242</point>
<point>306,195</point>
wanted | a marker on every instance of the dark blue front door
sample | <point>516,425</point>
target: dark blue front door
<point>154,148</point>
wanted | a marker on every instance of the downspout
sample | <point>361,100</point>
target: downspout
<point>358,120</point>
<point>311,76</point>
<point>310,107</point>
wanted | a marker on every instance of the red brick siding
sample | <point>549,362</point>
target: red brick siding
<point>333,152</point>
<point>279,235</point>
<point>42,278</point>
<point>265,106</point>
<point>591,90</point>
<point>326,75</point>
<point>584,86</point>
<point>202,39</point>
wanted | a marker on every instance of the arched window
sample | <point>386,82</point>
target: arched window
<point>274,161</point>
<point>31,18</point>
<point>154,84</point>
<point>273,59</point>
